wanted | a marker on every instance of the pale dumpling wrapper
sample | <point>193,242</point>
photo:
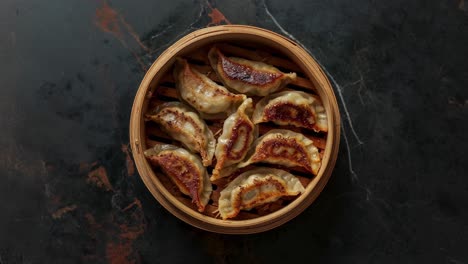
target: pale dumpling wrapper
<point>284,147</point>
<point>246,76</point>
<point>238,134</point>
<point>185,170</point>
<point>184,124</point>
<point>256,187</point>
<point>294,108</point>
<point>207,97</point>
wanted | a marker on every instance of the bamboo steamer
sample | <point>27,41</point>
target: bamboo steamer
<point>251,43</point>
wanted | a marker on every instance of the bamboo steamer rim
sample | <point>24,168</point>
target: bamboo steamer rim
<point>226,33</point>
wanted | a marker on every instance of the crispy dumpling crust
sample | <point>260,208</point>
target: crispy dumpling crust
<point>246,76</point>
<point>207,97</point>
<point>292,108</point>
<point>185,170</point>
<point>184,124</point>
<point>284,147</point>
<point>238,134</point>
<point>256,187</point>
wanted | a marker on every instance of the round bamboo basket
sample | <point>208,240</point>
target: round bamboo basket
<point>252,43</point>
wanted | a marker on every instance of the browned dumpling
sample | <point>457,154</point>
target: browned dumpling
<point>238,134</point>
<point>249,77</point>
<point>184,124</point>
<point>256,187</point>
<point>284,147</point>
<point>207,97</point>
<point>292,108</point>
<point>185,170</point>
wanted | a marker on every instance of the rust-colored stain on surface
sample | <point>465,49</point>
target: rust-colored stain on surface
<point>92,222</point>
<point>461,5</point>
<point>94,229</point>
<point>119,252</point>
<point>62,211</point>
<point>217,18</point>
<point>109,20</point>
<point>135,203</point>
<point>132,232</point>
<point>128,160</point>
<point>120,228</point>
<point>99,178</point>
<point>133,33</point>
<point>84,167</point>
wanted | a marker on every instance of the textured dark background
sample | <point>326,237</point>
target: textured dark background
<point>69,192</point>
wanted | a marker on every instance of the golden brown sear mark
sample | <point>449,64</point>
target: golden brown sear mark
<point>242,127</point>
<point>246,76</point>
<point>282,148</point>
<point>290,113</point>
<point>241,203</point>
<point>244,73</point>
<point>183,173</point>
<point>184,169</point>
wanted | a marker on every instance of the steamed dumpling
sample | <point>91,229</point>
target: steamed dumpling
<point>207,97</point>
<point>184,124</point>
<point>257,187</point>
<point>292,108</point>
<point>284,147</point>
<point>185,170</point>
<point>245,76</point>
<point>238,134</point>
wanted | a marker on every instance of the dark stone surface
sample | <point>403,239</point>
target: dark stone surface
<point>69,192</point>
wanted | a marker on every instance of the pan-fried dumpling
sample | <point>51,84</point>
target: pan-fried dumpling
<point>183,124</point>
<point>185,170</point>
<point>207,97</point>
<point>245,76</point>
<point>284,147</point>
<point>292,108</point>
<point>238,134</point>
<point>257,187</point>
